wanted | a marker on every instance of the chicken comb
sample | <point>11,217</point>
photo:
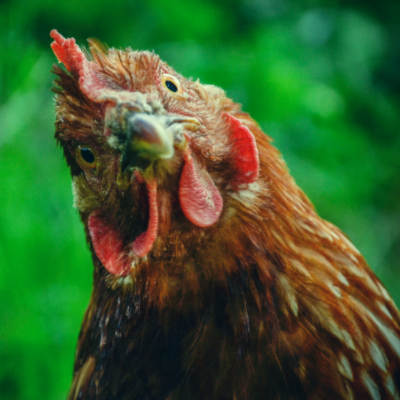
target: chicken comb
<point>69,53</point>
<point>91,83</point>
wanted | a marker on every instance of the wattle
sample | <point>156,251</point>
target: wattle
<point>108,241</point>
<point>108,245</point>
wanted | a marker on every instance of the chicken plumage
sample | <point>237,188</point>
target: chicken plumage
<point>214,278</point>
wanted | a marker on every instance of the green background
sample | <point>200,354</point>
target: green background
<point>322,78</point>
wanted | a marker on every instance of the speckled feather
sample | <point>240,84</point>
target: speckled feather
<point>270,302</point>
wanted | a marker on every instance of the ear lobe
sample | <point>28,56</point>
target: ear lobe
<point>244,149</point>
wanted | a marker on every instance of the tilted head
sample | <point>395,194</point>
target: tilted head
<point>183,195</point>
<point>156,159</point>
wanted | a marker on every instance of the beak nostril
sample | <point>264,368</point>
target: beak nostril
<point>189,123</point>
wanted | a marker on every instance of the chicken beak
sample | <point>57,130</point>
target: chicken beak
<point>153,137</point>
<point>143,132</point>
<point>147,140</point>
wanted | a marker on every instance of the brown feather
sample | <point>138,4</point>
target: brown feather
<point>271,302</point>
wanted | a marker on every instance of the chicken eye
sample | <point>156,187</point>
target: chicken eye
<point>172,84</point>
<point>86,157</point>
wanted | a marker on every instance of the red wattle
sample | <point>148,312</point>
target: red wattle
<point>199,198</point>
<point>144,242</point>
<point>108,245</point>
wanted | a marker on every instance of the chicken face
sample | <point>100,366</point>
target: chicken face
<point>150,152</point>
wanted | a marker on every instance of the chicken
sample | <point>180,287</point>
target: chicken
<point>214,278</point>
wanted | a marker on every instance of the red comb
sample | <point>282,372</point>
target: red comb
<point>69,53</point>
<point>92,83</point>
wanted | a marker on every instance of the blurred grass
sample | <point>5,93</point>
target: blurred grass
<point>322,79</point>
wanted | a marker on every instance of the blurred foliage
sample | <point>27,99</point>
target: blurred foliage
<point>322,79</point>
